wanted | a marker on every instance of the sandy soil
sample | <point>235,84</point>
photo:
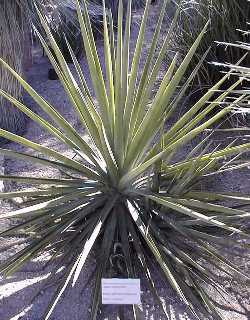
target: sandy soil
<point>21,296</point>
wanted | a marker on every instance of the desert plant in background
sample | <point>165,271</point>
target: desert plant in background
<point>16,17</point>
<point>242,72</point>
<point>127,187</point>
<point>114,4</point>
<point>12,26</point>
<point>227,18</point>
<point>63,20</point>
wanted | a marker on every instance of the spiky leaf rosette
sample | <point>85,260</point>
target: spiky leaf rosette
<point>125,187</point>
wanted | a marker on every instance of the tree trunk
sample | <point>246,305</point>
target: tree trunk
<point>12,51</point>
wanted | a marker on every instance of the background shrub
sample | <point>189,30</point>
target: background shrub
<point>227,20</point>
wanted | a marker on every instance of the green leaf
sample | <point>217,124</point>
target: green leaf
<point>50,153</point>
<point>170,203</point>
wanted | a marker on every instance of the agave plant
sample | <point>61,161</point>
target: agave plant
<point>127,186</point>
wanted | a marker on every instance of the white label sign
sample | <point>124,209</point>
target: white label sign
<point>121,291</point>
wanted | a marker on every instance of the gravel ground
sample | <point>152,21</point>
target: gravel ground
<point>1,172</point>
<point>21,296</point>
